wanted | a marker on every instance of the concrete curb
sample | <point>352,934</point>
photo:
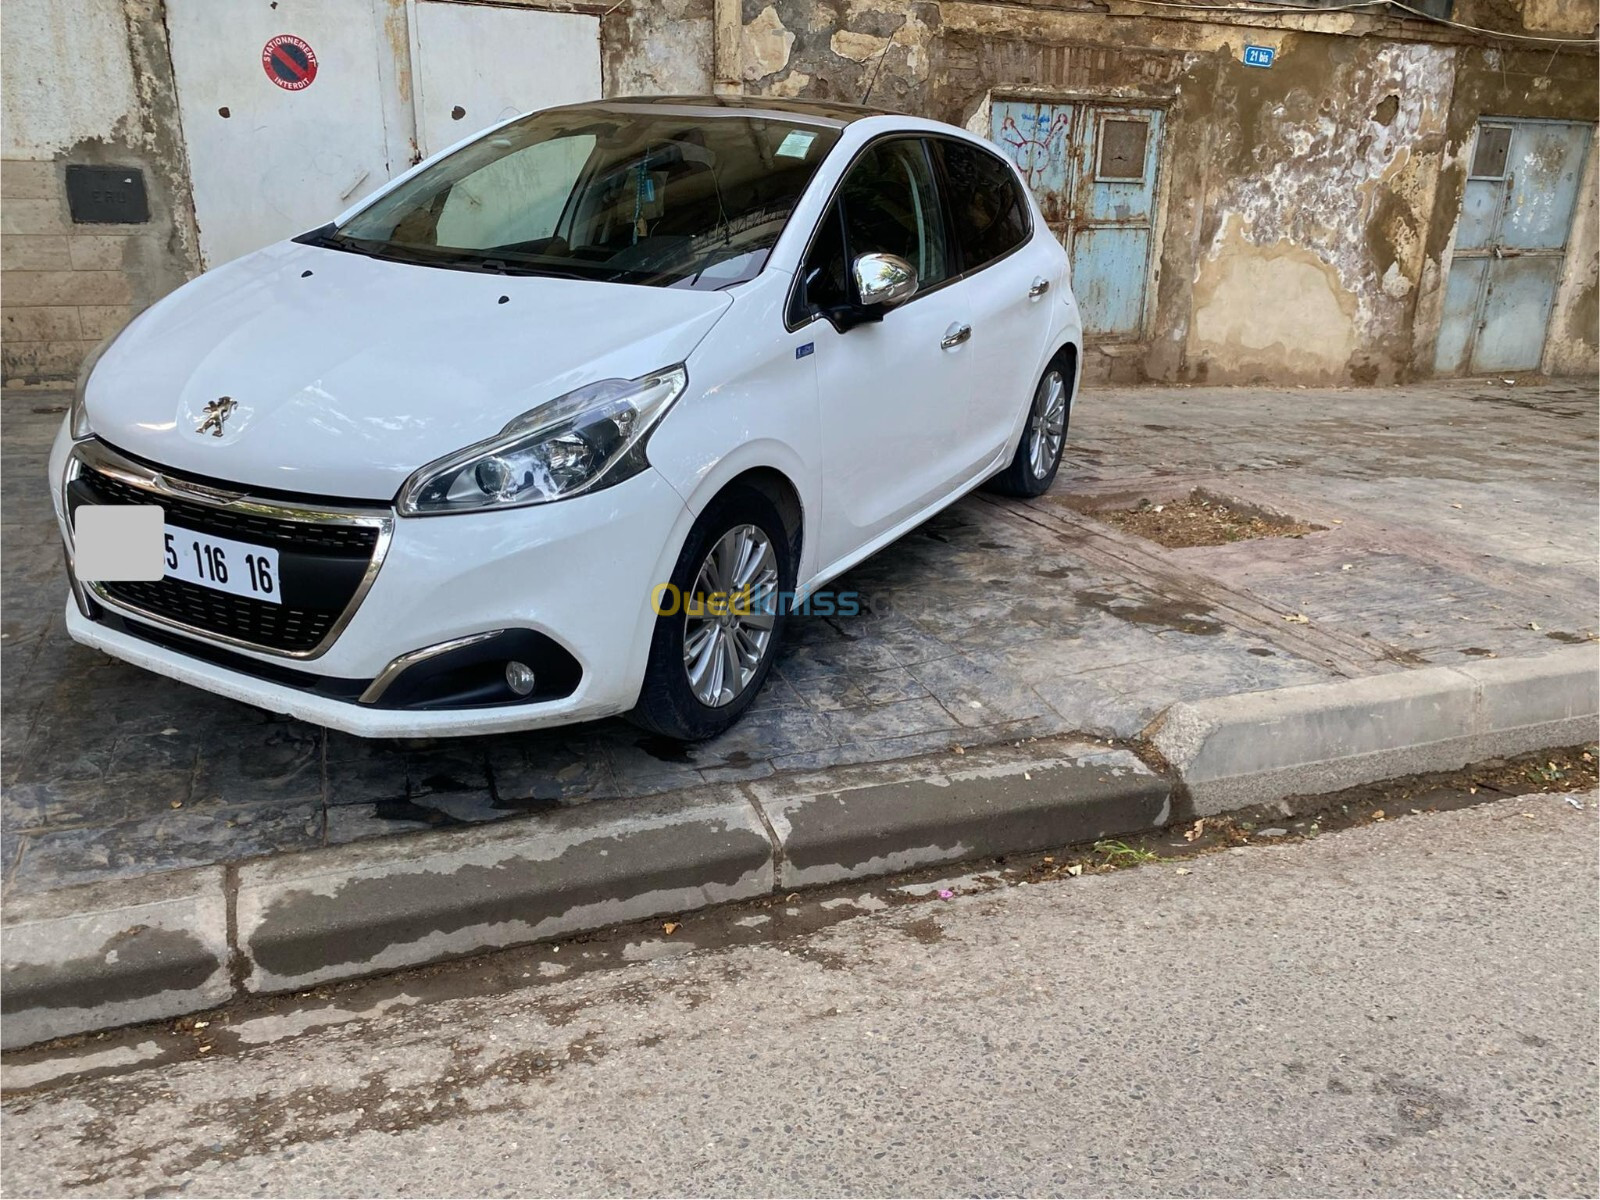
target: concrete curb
<point>113,953</point>
<point>858,822</point>
<point>160,946</point>
<point>1235,751</point>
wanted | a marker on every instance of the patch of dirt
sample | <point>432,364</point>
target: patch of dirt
<point>1202,520</point>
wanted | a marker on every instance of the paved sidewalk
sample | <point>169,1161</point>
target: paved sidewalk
<point>1458,523</point>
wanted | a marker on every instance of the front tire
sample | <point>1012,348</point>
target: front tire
<point>1033,468</point>
<point>719,624</point>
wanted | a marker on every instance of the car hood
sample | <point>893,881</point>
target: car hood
<point>347,373</point>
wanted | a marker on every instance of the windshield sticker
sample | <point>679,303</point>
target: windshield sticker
<point>796,144</point>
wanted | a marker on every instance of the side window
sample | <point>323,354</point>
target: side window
<point>987,206</point>
<point>825,278</point>
<point>887,204</point>
<point>892,207</point>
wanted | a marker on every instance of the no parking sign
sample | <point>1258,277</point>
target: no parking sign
<point>289,62</point>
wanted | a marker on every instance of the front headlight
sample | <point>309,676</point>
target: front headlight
<point>581,442</point>
<point>79,414</point>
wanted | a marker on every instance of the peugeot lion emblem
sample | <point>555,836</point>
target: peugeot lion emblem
<point>218,411</point>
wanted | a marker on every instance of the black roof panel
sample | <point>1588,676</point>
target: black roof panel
<point>830,110</point>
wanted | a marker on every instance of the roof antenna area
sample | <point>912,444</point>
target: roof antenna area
<point>878,66</point>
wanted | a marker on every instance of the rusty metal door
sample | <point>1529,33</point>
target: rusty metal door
<point>1511,242</point>
<point>1094,169</point>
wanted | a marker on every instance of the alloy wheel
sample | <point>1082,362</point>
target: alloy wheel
<point>1048,424</point>
<point>729,616</point>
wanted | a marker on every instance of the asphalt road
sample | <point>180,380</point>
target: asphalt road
<point>1403,1009</point>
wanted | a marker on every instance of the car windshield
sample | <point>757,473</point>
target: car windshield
<point>688,200</point>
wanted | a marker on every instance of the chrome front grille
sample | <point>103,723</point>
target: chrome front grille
<point>328,556</point>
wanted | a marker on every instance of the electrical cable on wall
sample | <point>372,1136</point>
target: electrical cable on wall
<point>1364,6</point>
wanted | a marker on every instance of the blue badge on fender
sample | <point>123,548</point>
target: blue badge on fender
<point>802,351</point>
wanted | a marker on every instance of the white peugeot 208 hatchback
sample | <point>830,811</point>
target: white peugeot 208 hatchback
<point>563,422</point>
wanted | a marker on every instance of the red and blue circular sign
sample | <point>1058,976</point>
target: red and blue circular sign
<point>289,62</point>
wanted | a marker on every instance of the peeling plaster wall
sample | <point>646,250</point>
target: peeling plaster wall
<point>86,81</point>
<point>1574,340</point>
<point>1323,187</point>
<point>839,49</point>
<point>1306,210</point>
<point>657,47</point>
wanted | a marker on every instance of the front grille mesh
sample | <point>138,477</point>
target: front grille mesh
<point>320,568</point>
<point>280,626</point>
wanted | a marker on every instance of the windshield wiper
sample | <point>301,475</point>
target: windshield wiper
<point>450,260</point>
<point>500,266</point>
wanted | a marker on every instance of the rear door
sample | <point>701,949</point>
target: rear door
<point>1007,284</point>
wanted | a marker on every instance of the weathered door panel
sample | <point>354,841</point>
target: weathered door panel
<point>1108,273</point>
<point>268,162</point>
<point>1480,210</point>
<point>1115,158</point>
<point>1460,314</point>
<point>1516,309</point>
<point>1094,169</point>
<point>476,65</point>
<point>1516,214</point>
<point>1547,160</point>
<point>1037,137</point>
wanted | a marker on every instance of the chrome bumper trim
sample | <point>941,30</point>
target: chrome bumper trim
<point>389,674</point>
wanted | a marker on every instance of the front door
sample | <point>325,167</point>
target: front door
<point>893,394</point>
<point>1511,243</point>
<point>1094,169</point>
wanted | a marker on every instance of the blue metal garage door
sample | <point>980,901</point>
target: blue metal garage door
<point>1094,169</point>
<point>1511,242</point>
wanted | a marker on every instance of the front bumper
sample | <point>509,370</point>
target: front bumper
<point>579,572</point>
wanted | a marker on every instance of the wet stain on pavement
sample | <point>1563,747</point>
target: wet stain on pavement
<point>1179,614</point>
<point>665,749</point>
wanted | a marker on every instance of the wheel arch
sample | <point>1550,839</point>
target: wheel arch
<point>781,491</point>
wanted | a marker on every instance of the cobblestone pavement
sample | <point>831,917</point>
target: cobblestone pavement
<point>1458,522</point>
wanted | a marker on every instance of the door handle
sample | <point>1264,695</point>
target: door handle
<point>954,336</point>
<point>1039,288</point>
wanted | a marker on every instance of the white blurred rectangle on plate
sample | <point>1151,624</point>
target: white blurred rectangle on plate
<point>118,543</point>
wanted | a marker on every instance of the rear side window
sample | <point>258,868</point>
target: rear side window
<point>987,207</point>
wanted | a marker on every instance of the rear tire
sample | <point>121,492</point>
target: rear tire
<point>708,660</point>
<point>1044,434</point>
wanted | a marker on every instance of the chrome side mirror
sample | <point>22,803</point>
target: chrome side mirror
<point>884,280</point>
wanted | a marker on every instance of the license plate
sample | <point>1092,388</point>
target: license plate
<point>222,563</point>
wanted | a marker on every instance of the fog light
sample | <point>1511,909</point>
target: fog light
<point>519,678</point>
